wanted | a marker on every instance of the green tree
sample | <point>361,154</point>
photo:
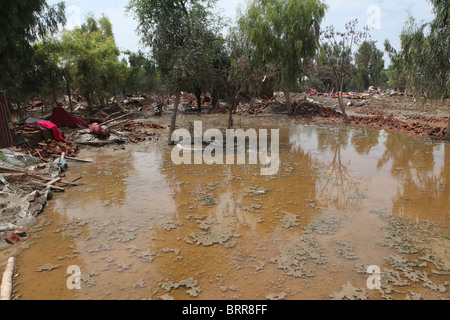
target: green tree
<point>179,34</point>
<point>423,63</point>
<point>338,53</point>
<point>369,65</point>
<point>396,71</point>
<point>140,75</point>
<point>440,42</point>
<point>284,36</point>
<point>22,24</point>
<point>91,56</point>
<point>47,78</point>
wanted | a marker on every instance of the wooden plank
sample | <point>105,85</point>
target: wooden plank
<point>52,182</point>
<point>50,186</point>
<point>119,118</point>
<point>80,160</point>
<point>61,181</point>
<point>8,169</point>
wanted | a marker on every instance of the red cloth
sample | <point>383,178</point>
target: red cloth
<point>62,118</point>
<point>56,134</point>
<point>44,125</point>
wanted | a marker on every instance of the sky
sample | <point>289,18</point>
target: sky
<point>386,18</point>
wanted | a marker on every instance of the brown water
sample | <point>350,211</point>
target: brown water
<point>143,225</point>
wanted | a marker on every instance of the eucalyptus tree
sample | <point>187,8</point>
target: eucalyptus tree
<point>91,57</point>
<point>338,56</point>
<point>423,63</point>
<point>179,34</point>
<point>369,65</point>
<point>283,35</point>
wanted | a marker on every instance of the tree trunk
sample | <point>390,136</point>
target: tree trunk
<point>215,98</point>
<point>230,120</point>
<point>89,101</point>
<point>199,102</point>
<point>342,106</point>
<point>54,96</point>
<point>287,96</point>
<point>174,118</point>
<point>69,94</point>
<point>341,99</point>
<point>447,136</point>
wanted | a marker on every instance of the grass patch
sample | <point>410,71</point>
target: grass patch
<point>3,158</point>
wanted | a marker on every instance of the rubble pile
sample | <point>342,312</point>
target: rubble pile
<point>138,131</point>
<point>220,110</point>
<point>26,184</point>
<point>402,126</point>
<point>47,150</point>
<point>368,111</point>
<point>309,108</point>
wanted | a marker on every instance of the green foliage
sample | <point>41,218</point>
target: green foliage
<point>47,74</point>
<point>369,65</point>
<point>142,75</point>
<point>22,24</point>
<point>179,34</point>
<point>3,158</point>
<point>282,36</point>
<point>423,65</point>
<point>337,57</point>
<point>91,57</point>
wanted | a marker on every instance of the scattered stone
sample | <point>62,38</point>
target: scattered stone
<point>349,292</point>
<point>292,260</point>
<point>122,266</point>
<point>139,284</point>
<point>189,283</point>
<point>215,237</point>
<point>403,264</point>
<point>207,223</point>
<point>251,208</point>
<point>290,220</point>
<point>176,251</point>
<point>414,296</point>
<point>345,250</point>
<point>48,267</point>
<point>88,279</point>
<point>171,225</point>
<point>326,226</point>
<point>276,297</point>
<point>146,256</point>
<point>166,297</point>
<point>208,201</point>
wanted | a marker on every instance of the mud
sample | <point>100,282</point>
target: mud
<point>345,199</point>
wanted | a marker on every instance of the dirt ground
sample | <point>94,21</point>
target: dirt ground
<point>380,110</point>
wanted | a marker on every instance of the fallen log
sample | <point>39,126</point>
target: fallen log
<point>119,118</point>
<point>61,181</point>
<point>118,124</point>
<point>7,281</point>
<point>53,181</point>
<point>80,160</point>
<point>9,169</point>
<point>49,186</point>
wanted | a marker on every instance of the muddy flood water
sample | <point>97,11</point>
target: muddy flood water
<point>344,199</point>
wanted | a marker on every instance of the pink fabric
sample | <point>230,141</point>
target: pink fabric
<point>56,134</point>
